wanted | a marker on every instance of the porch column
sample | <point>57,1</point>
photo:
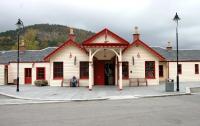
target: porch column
<point>120,69</point>
<point>90,70</point>
<point>116,72</point>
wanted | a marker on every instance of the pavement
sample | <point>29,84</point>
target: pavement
<point>56,94</point>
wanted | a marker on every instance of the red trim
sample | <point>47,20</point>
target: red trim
<point>140,43</point>
<point>67,43</point>
<point>106,44</point>
<point>80,69</point>
<point>196,68</point>
<point>105,31</point>
<point>58,78</point>
<point>37,73</point>
<point>127,77</point>
<point>84,78</point>
<point>154,70</point>
<point>27,80</point>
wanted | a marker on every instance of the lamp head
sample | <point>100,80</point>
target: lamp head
<point>19,24</point>
<point>176,17</point>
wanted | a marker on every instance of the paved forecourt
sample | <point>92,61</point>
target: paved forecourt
<point>81,93</point>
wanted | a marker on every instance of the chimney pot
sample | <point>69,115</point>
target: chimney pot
<point>169,46</point>
<point>136,35</point>
<point>71,34</point>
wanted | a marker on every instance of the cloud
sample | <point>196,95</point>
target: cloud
<point>153,17</point>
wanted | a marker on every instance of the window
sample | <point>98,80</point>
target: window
<point>179,69</point>
<point>40,73</point>
<point>125,70</point>
<point>160,70</point>
<point>150,69</point>
<point>58,70</point>
<point>84,70</point>
<point>196,68</point>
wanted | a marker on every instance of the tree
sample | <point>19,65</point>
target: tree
<point>29,39</point>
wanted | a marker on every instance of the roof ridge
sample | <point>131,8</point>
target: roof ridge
<point>159,47</point>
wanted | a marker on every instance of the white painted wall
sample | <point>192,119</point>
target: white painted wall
<point>188,71</point>
<point>70,69</point>
<point>104,54</point>
<point>12,71</point>
<point>47,71</point>
<point>2,67</point>
<point>101,39</point>
<point>138,69</point>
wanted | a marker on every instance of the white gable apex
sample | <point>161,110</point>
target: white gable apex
<point>105,39</point>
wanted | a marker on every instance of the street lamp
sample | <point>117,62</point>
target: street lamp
<point>20,26</point>
<point>176,19</point>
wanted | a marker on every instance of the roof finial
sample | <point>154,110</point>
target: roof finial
<point>71,31</point>
<point>169,44</point>
<point>136,30</point>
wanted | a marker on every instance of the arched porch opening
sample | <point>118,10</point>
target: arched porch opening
<point>105,67</point>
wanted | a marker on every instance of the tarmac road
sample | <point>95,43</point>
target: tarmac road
<point>159,111</point>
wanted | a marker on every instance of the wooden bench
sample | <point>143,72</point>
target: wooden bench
<point>137,81</point>
<point>67,82</point>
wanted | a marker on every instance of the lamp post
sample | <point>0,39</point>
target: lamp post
<point>20,26</point>
<point>176,19</point>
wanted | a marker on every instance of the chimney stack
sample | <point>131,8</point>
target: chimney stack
<point>136,35</point>
<point>71,34</point>
<point>169,46</point>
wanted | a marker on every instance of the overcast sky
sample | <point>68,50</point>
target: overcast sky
<point>153,17</point>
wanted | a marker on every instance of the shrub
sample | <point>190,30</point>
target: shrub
<point>41,83</point>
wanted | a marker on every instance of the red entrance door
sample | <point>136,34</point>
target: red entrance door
<point>99,76</point>
<point>28,75</point>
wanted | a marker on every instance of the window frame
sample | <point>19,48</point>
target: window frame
<point>58,77</point>
<point>196,68</point>
<point>179,69</point>
<point>80,69</point>
<point>154,70</point>
<point>37,71</point>
<point>127,65</point>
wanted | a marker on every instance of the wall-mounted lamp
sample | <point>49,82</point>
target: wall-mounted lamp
<point>133,60</point>
<point>70,55</point>
<point>104,53</point>
<point>75,60</point>
<point>138,55</point>
<point>33,65</point>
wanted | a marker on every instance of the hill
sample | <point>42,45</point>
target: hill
<point>39,36</point>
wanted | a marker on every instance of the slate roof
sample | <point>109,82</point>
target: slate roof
<point>38,55</point>
<point>26,56</point>
<point>184,55</point>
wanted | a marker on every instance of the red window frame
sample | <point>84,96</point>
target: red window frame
<point>196,68</point>
<point>125,70</point>
<point>84,70</point>
<point>161,71</point>
<point>150,73</point>
<point>57,70</point>
<point>179,68</point>
<point>38,70</point>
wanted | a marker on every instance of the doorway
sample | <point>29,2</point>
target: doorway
<point>28,76</point>
<point>104,72</point>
